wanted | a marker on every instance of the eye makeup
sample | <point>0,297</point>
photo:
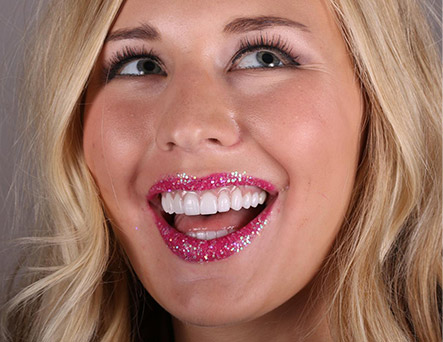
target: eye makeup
<point>274,44</point>
<point>127,54</point>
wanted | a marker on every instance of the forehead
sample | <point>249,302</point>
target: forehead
<point>174,17</point>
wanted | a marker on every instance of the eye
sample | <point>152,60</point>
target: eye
<point>264,52</point>
<point>259,59</point>
<point>132,62</point>
<point>140,67</point>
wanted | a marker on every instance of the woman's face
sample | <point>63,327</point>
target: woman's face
<point>209,88</point>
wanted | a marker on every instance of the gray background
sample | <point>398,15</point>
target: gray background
<point>15,16</point>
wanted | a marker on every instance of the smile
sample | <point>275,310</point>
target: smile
<point>211,218</point>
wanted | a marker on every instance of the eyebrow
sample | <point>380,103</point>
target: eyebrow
<point>238,25</point>
<point>144,31</point>
<point>242,25</point>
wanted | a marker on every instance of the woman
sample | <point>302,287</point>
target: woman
<point>266,171</point>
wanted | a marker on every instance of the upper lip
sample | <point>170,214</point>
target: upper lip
<point>215,180</point>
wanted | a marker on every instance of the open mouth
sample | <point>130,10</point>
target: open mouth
<point>208,219</point>
<point>212,213</point>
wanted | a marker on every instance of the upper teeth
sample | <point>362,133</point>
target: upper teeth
<point>212,201</point>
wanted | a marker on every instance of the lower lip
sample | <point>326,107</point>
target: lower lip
<point>200,251</point>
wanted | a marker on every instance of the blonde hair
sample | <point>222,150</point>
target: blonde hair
<point>388,255</point>
<point>384,271</point>
<point>67,298</point>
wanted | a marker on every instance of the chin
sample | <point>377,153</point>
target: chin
<point>207,311</point>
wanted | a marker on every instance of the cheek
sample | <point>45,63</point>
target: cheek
<point>117,132</point>
<point>310,125</point>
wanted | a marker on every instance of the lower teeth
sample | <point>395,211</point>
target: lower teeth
<point>210,234</point>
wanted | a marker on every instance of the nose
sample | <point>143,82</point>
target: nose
<point>197,115</point>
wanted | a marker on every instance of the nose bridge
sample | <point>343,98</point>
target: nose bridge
<point>197,114</point>
<point>198,89</point>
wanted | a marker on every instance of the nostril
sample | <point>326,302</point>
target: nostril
<point>167,147</point>
<point>214,141</point>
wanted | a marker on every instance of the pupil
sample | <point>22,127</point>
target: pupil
<point>147,66</point>
<point>267,58</point>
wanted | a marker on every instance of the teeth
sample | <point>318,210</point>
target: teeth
<point>254,200</point>
<point>247,201</point>
<point>210,202</point>
<point>262,197</point>
<point>190,203</point>
<point>236,200</point>
<point>177,205</point>
<point>167,203</point>
<point>209,234</point>
<point>224,202</point>
<point>222,232</point>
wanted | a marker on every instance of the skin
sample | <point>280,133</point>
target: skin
<point>298,128</point>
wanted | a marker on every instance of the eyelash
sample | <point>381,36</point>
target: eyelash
<point>128,54</point>
<point>274,43</point>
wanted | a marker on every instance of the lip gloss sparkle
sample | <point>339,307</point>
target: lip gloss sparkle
<point>186,182</point>
<point>194,250</point>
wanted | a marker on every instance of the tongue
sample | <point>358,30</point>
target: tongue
<point>228,220</point>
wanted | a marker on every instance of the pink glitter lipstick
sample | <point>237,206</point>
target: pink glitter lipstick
<point>192,249</point>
